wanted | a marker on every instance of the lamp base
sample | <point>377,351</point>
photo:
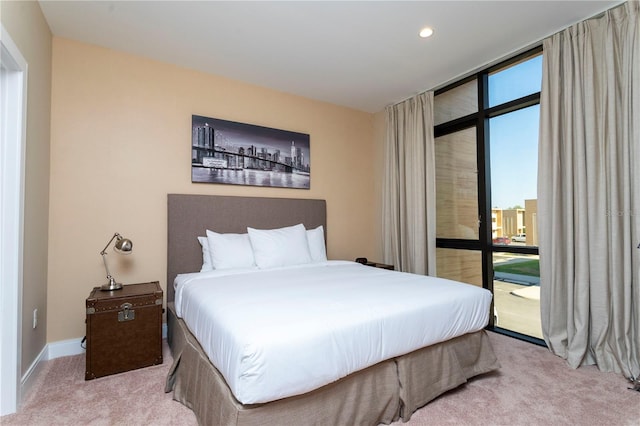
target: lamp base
<point>111,285</point>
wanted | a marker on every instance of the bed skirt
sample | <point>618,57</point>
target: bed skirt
<point>382,393</point>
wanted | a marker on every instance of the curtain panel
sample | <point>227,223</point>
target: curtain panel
<point>408,199</point>
<point>589,192</point>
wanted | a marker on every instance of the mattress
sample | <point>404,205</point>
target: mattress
<point>283,332</point>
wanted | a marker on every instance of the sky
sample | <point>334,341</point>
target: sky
<point>514,136</point>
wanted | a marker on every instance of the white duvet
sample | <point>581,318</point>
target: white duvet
<point>285,331</point>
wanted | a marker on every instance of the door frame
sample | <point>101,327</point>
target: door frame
<point>13,80</point>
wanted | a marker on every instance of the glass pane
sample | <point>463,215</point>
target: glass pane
<point>459,265</point>
<point>520,79</point>
<point>516,293</point>
<point>456,103</point>
<point>457,185</point>
<point>514,174</point>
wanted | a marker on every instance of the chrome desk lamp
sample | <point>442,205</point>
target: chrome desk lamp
<point>122,246</point>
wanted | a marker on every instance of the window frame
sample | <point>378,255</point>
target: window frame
<point>480,120</point>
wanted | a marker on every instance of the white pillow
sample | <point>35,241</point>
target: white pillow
<point>317,249</point>
<point>280,247</point>
<point>206,256</point>
<point>230,250</point>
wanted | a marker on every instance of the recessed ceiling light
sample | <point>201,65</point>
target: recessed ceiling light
<point>426,32</point>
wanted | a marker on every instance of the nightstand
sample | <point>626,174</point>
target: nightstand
<point>380,265</point>
<point>124,329</point>
<point>364,261</point>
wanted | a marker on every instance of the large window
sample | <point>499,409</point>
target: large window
<point>486,173</point>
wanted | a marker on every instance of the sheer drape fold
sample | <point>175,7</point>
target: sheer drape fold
<point>589,192</point>
<point>409,186</point>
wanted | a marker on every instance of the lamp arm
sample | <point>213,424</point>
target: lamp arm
<point>104,260</point>
<point>112,284</point>
<point>104,250</point>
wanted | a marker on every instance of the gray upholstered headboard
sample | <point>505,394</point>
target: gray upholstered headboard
<point>191,215</point>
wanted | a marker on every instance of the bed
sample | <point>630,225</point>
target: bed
<point>382,389</point>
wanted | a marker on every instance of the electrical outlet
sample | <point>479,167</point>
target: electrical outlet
<point>35,318</point>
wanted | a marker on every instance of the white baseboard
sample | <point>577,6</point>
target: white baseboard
<point>29,377</point>
<point>64,348</point>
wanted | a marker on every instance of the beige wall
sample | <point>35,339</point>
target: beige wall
<point>29,31</point>
<point>120,141</point>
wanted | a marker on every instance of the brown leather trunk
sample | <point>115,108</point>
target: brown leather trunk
<point>124,329</point>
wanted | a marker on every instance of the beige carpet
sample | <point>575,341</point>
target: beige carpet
<point>61,396</point>
<point>533,387</point>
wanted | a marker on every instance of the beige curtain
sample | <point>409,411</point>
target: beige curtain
<point>589,192</point>
<point>408,199</point>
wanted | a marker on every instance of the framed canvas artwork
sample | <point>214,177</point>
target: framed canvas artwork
<point>228,152</point>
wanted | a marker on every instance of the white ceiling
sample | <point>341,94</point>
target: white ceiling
<point>360,54</point>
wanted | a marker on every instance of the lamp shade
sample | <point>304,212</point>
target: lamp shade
<point>123,246</point>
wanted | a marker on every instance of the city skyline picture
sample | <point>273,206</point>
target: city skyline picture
<point>228,152</point>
